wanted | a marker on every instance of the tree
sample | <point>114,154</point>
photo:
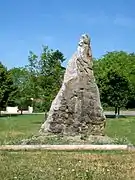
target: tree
<point>46,74</point>
<point>123,64</point>
<point>20,78</point>
<point>7,88</point>
<point>117,90</point>
<point>51,74</point>
<point>39,80</point>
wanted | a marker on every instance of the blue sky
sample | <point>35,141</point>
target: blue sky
<point>28,24</point>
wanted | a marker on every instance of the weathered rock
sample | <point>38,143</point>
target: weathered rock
<point>77,108</point>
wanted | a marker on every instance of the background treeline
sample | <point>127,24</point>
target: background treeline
<point>38,82</point>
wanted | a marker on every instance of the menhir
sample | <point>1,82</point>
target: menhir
<point>77,108</point>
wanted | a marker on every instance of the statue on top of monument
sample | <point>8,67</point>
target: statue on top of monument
<point>84,40</point>
<point>84,48</point>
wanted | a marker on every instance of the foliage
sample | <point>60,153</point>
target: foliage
<point>39,81</point>
<point>116,90</point>
<point>7,89</point>
<point>115,74</point>
<point>22,98</point>
<point>46,74</point>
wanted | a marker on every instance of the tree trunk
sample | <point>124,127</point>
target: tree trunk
<point>0,111</point>
<point>21,111</point>
<point>116,111</point>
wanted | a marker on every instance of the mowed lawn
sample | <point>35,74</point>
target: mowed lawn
<point>15,128</point>
<point>58,165</point>
<point>52,165</point>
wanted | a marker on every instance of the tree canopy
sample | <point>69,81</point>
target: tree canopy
<point>39,81</point>
<point>7,89</point>
<point>115,76</point>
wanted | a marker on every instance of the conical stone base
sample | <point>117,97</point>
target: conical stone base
<point>77,108</point>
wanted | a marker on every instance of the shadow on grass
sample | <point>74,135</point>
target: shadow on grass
<point>113,116</point>
<point>38,122</point>
<point>9,115</point>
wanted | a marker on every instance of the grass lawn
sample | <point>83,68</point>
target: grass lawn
<point>46,165</point>
<point>16,128</point>
<point>121,128</point>
<point>52,165</point>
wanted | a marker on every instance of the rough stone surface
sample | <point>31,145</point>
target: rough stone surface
<point>77,110</point>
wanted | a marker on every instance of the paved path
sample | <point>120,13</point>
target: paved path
<point>124,113</point>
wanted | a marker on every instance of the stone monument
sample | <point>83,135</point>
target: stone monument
<point>76,110</point>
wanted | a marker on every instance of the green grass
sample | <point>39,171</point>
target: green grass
<point>122,128</point>
<point>16,128</point>
<point>46,165</point>
<point>63,165</point>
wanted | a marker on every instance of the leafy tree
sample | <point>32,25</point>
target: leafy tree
<point>123,64</point>
<point>51,74</point>
<point>20,77</point>
<point>46,74</point>
<point>39,80</point>
<point>117,90</point>
<point>7,88</point>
